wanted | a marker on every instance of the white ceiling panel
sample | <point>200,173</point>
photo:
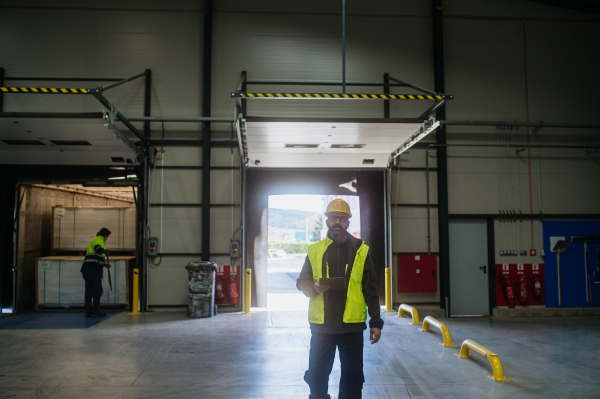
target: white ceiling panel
<point>267,143</point>
<point>104,142</point>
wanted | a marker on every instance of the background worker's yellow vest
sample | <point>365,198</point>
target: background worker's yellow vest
<point>356,307</point>
<point>98,240</point>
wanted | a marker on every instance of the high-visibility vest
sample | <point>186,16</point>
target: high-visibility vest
<point>98,240</point>
<point>356,307</point>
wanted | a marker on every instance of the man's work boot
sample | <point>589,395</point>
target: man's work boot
<point>99,314</point>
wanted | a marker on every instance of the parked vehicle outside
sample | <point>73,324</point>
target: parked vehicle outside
<point>277,253</point>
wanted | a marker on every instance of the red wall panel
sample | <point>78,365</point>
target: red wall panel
<point>417,273</point>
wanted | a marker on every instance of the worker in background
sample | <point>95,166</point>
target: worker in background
<point>337,317</point>
<point>92,269</point>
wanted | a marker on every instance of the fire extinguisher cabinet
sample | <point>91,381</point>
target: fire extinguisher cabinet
<point>201,277</point>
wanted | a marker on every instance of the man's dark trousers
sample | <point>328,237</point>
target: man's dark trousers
<point>93,290</point>
<point>322,355</point>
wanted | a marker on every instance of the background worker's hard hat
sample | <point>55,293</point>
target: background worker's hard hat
<point>338,205</point>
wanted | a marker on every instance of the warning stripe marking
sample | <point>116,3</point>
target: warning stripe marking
<point>346,96</point>
<point>49,90</point>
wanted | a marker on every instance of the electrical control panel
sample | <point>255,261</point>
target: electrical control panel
<point>152,246</point>
<point>235,248</point>
<point>417,273</point>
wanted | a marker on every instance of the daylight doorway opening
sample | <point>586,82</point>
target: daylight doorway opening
<point>295,222</point>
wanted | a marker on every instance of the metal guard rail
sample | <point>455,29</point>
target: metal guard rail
<point>407,308</point>
<point>489,355</point>
<point>440,326</point>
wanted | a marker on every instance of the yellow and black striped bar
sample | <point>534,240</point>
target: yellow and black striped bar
<point>46,90</point>
<point>343,96</point>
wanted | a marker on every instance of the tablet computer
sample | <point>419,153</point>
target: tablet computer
<point>336,283</point>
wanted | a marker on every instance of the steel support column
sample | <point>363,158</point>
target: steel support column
<point>386,90</point>
<point>442,175</point>
<point>145,200</point>
<point>206,96</point>
<point>491,262</point>
<point>147,101</point>
<point>1,85</point>
<point>244,89</point>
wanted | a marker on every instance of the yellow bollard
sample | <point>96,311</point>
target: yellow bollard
<point>442,327</point>
<point>489,355</point>
<point>388,289</point>
<point>415,315</point>
<point>248,292</point>
<point>136,292</point>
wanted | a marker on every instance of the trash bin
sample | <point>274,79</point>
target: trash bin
<point>201,277</point>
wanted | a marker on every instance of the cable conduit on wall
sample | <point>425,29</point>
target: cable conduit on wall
<point>523,124</point>
<point>180,119</point>
<point>443,122</point>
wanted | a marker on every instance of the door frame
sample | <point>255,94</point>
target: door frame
<point>491,260</point>
<point>261,183</point>
<point>491,265</point>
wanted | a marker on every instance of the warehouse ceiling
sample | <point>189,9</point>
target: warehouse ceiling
<point>60,141</point>
<point>324,144</point>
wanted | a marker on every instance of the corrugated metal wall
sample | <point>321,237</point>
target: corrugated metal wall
<point>178,222</point>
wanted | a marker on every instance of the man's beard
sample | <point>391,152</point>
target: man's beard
<point>336,231</point>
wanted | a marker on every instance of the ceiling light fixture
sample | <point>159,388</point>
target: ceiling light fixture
<point>301,146</point>
<point>348,145</point>
<point>23,142</point>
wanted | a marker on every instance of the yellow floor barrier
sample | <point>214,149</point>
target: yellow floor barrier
<point>388,289</point>
<point>489,355</point>
<point>442,327</point>
<point>134,304</point>
<point>248,292</point>
<point>407,308</point>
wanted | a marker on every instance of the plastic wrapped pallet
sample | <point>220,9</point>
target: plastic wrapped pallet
<point>60,284</point>
<point>74,227</point>
<point>201,277</point>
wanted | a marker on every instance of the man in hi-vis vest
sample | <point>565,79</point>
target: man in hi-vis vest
<point>92,270</point>
<point>337,315</point>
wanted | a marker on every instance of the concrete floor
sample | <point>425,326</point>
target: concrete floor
<point>167,355</point>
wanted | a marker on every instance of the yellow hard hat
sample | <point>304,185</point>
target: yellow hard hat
<point>338,205</point>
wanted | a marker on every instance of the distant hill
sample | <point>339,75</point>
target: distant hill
<point>289,219</point>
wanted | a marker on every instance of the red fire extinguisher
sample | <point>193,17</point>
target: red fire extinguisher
<point>521,290</point>
<point>535,284</point>
<point>219,294</point>
<point>232,291</point>
<point>507,290</point>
